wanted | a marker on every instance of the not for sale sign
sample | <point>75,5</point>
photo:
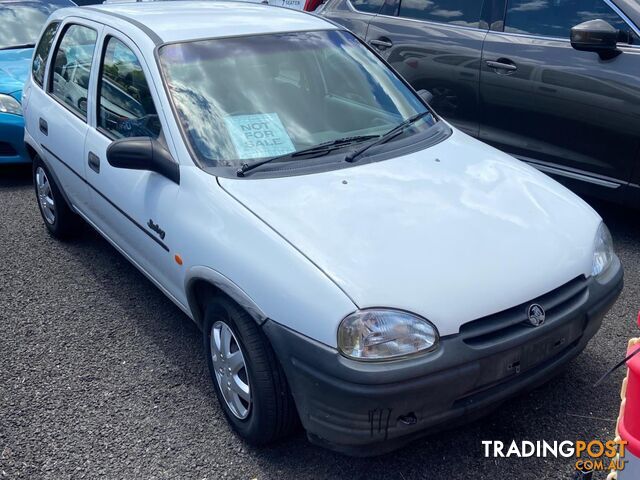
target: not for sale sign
<point>260,135</point>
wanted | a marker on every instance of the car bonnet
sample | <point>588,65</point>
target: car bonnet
<point>14,69</point>
<point>453,233</point>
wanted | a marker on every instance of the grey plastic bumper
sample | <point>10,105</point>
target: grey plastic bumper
<point>366,409</point>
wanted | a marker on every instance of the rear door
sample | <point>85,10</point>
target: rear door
<point>60,123</point>
<point>436,45</point>
<point>353,14</point>
<point>571,113</point>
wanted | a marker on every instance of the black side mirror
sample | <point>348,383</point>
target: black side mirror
<point>426,95</point>
<point>596,36</point>
<point>143,153</point>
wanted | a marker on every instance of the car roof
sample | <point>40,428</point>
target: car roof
<point>174,21</point>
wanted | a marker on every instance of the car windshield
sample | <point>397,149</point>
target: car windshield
<point>21,22</point>
<point>247,98</point>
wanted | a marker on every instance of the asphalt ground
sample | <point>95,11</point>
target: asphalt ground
<point>101,376</point>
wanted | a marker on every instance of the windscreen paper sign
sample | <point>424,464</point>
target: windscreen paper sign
<point>258,136</point>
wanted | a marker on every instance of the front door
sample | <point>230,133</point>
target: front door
<point>130,207</point>
<point>437,46</point>
<point>570,112</point>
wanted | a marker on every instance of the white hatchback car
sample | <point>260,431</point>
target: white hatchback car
<point>352,259</point>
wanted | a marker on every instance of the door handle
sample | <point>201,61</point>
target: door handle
<point>381,43</point>
<point>44,126</point>
<point>94,162</point>
<point>502,64</point>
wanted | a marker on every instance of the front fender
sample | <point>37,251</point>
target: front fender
<point>223,284</point>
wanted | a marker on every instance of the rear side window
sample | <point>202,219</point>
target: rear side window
<point>367,6</point>
<point>556,18</point>
<point>455,12</point>
<point>72,68</point>
<point>126,106</point>
<point>42,52</point>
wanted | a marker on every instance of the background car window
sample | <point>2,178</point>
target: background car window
<point>455,12</point>
<point>367,6</point>
<point>556,18</point>
<point>349,81</point>
<point>42,52</point>
<point>72,67</point>
<point>126,106</point>
<point>22,21</point>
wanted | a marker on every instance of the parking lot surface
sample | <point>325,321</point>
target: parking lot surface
<point>101,376</point>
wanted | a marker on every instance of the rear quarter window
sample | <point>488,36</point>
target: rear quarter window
<point>42,52</point>
<point>367,6</point>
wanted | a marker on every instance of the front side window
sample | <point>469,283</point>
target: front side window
<point>268,95</point>
<point>22,21</point>
<point>556,18</point>
<point>455,12</point>
<point>42,52</point>
<point>126,106</point>
<point>72,67</point>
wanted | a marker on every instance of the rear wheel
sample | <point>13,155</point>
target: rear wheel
<point>59,219</point>
<point>248,379</point>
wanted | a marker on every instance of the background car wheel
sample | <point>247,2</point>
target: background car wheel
<point>248,379</point>
<point>59,219</point>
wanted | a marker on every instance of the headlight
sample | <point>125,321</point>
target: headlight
<point>602,251</point>
<point>8,104</point>
<point>380,334</point>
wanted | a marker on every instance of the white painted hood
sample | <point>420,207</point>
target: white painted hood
<point>452,240</point>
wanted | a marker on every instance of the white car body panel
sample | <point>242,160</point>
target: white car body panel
<point>228,238</point>
<point>453,240</point>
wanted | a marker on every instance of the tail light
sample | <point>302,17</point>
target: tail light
<point>311,5</point>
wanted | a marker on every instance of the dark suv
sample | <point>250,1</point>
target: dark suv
<point>552,82</point>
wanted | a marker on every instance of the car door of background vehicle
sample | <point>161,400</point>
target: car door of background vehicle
<point>354,14</point>
<point>436,45</point>
<point>125,203</point>
<point>61,123</point>
<point>557,106</point>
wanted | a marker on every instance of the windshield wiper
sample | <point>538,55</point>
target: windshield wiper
<point>390,135</point>
<point>322,148</point>
<point>17,47</point>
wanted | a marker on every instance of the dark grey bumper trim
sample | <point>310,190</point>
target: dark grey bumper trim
<point>361,408</point>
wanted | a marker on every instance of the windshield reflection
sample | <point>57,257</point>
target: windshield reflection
<point>270,95</point>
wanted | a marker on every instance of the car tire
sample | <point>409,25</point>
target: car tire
<point>270,412</point>
<point>60,220</point>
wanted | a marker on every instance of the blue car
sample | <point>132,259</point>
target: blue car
<point>21,23</point>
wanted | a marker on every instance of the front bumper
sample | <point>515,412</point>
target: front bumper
<point>12,149</point>
<point>364,409</point>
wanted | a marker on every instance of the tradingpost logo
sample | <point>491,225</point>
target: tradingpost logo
<point>589,456</point>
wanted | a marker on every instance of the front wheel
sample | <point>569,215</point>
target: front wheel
<point>249,381</point>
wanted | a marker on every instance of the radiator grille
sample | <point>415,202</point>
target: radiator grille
<point>510,323</point>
